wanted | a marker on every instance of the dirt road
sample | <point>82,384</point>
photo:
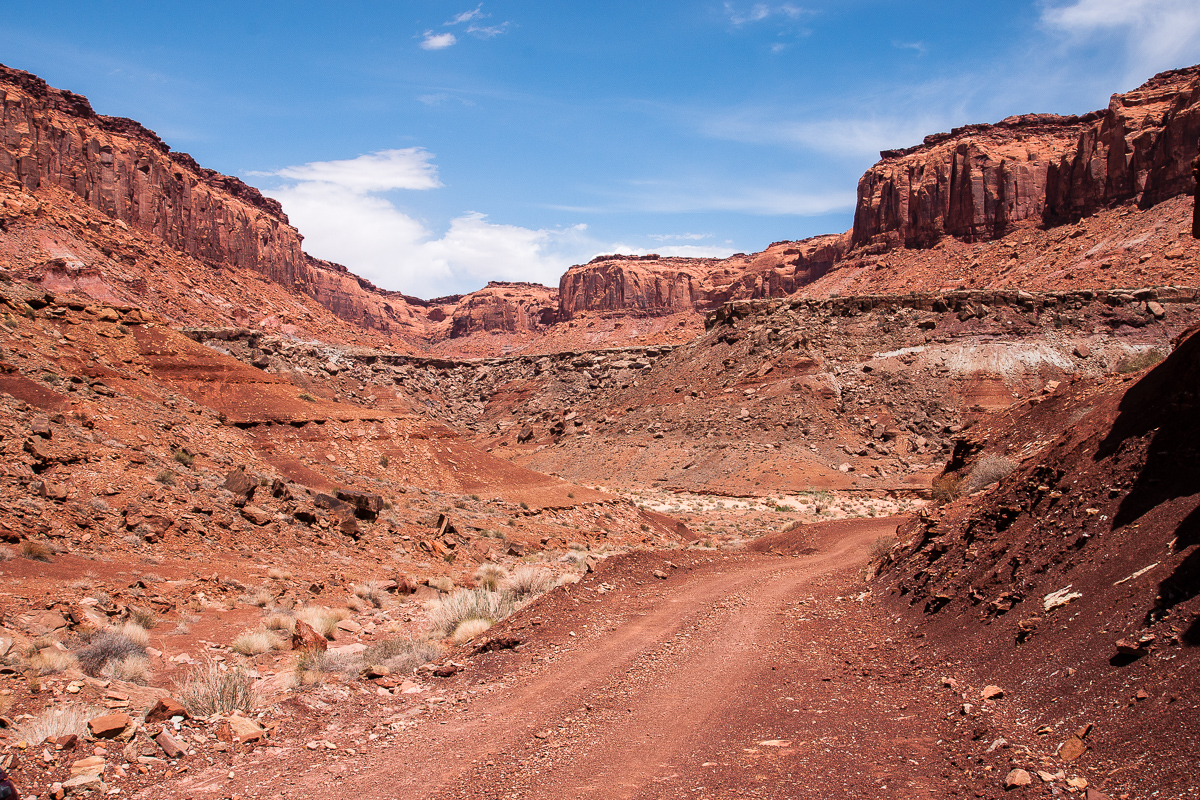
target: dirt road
<point>735,675</point>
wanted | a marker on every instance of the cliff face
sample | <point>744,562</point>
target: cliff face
<point>656,285</point>
<point>53,138</point>
<point>505,307</point>
<point>975,182</point>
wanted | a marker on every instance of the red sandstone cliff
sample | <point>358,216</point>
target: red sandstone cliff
<point>657,285</point>
<point>975,182</point>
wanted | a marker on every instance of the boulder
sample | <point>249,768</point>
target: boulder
<point>109,726</point>
<point>164,709</point>
<point>171,747</point>
<point>304,637</point>
<point>241,485</point>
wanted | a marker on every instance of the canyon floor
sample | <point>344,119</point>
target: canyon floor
<point>735,674</point>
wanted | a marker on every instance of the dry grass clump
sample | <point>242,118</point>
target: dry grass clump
<point>988,470</point>
<point>261,598</point>
<point>256,642</point>
<point>470,604</point>
<point>106,647</point>
<point>370,592</point>
<point>36,551</point>
<point>529,581</point>
<point>277,574</point>
<point>323,620</point>
<point>209,689</point>
<point>135,633</point>
<point>399,656</point>
<point>469,629</point>
<point>134,669</point>
<point>442,583</point>
<point>142,616</point>
<point>51,661</point>
<point>1140,361</point>
<point>60,721</point>
<point>490,576</point>
<point>280,622</point>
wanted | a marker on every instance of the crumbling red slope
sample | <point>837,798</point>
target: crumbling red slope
<point>1080,571</point>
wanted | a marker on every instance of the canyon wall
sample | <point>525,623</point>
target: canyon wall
<point>975,182</point>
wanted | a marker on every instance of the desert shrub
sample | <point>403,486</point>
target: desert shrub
<point>280,622</point>
<point>470,604</point>
<point>183,457</point>
<point>306,397</point>
<point>945,487</point>
<point>401,656</point>
<point>469,629</point>
<point>256,642</point>
<point>529,581</point>
<point>60,721</point>
<point>988,470</point>
<point>460,504</point>
<point>207,690</point>
<point>261,598</point>
<point>106,646</point>
<point>323,620</point>
<point>880,549</point>
<point>490,576</point>
<point>142,616</point>
<point>524,505</point>
<point>1139,361</point>
<point>383,461</point>
<point>166,477</point>
<point>370,592</point>
<point>277,574</point>
<point>35,551</point>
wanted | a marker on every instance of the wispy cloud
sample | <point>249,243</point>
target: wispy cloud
<point>920,47</point>
<point>1157,34</point>
<point>340,209</point>
<point>467,16</point>
<point>438,41</point>
<point>675,237</point>
<point>758,12</point>
<point>488,31</point>
<point>853,137</point>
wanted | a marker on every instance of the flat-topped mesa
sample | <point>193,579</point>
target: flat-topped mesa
<point>657,285</point>
<point>977,181</point>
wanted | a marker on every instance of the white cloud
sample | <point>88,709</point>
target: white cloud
<point>920,47</point>
<point>381,171</point>
<point>338,207</point>
<point>438,41</point>
<point>1158,34</point>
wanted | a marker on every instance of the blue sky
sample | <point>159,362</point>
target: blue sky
<point>433,146</point>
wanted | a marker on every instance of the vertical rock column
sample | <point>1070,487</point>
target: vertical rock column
<point>1196,200</point>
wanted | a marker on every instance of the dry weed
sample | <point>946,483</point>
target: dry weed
<point>61,721</point>
<point>36,551</point>
<point>255,643</point>
<point>490,576</point>
<point>135,633</point>
<point>323,620</point>
<point>134,669</point>
<point>211,688</point>
<point>371,592</point>
<point>280,622</point>
<point>275,573</point>
<point>988,470</point>
<point>51,661</point>
<point>529,581</point>
<point>142,616</point>
<point>470,604</point>
<point>442,583</point>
